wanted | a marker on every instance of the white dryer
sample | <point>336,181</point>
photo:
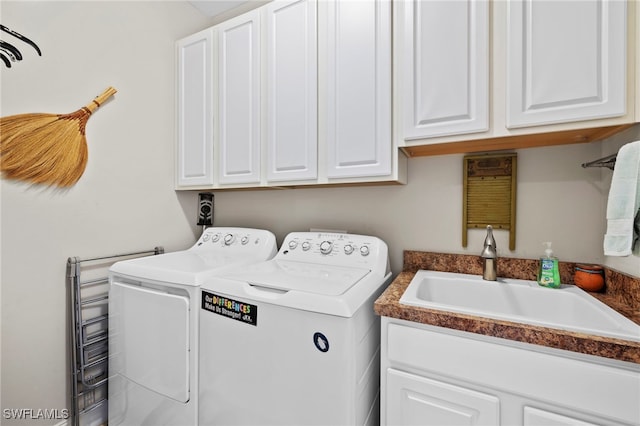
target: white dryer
<point>153,325</point>
<point>295,340</point>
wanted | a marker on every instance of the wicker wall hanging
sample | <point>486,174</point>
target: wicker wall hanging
<point>49,149</point>
<point>489,194</point>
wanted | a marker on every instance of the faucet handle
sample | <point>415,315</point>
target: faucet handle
<point>489,250</point>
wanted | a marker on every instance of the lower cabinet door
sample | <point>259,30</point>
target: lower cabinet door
<point>417,400</point>
<point>535,416</point>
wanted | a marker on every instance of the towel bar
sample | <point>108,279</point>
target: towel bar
<point>608,162</point>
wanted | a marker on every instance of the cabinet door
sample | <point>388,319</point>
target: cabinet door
<point>445,67</point>
<point>565,61</point>
<point>291,63</point>
<point>195,110</point>
<point>358,88</point>
<point>416,400</point>
<point>535,417</point>
<point>239,99</point>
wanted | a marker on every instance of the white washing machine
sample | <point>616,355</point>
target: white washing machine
<point>295,340</point>
<point>153,325</point>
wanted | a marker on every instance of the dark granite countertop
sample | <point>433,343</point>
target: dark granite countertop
<point>622,293</point>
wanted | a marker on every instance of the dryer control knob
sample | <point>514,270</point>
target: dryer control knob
<point>326,247</point>
<point>348,249</point>
<point>244,240</point>
<point>229,239</point>
<point>293,244</point>
<point>364,250</point>
<point>306,246</point>
<point>215,238</point>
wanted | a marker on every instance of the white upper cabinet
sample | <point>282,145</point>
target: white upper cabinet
<point>358,95</point>
<point>238,99</point>
<point>566,61</point>
<point>194,111</point>
<point>486,75</point>
<point>444,67</point>
<point>292,90</point>
<point>291,93</point>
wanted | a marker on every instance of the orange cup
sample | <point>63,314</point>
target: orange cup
<point>589,277</point>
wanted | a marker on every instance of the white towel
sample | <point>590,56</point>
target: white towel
<point>624,202</point>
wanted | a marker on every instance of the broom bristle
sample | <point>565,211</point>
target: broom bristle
<point>47,149</point>
<point>44,148</point>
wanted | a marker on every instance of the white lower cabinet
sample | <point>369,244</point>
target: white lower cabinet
<point>436,376</point>
<point>412,399</point>
<point>535,416</point>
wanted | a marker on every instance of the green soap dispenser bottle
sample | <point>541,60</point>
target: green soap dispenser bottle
<point>549,272</point>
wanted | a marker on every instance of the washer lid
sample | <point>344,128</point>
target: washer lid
<point>305,277</point>
<point>187,267</point>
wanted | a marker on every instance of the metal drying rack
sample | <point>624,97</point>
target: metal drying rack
<point>89,334</point>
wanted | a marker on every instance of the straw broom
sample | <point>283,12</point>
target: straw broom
<point>49,149</point>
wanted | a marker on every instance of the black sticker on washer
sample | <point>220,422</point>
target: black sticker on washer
<point>321,342</point>
<point>230,308</point>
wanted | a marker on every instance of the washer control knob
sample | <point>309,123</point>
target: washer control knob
<point>326,247</point>
<point>215,238</point>
<point>244,240</point>
<point>229,239</point>
<point>293,244</point>
<point>364,250</point>
<point>306,246</point>
<point>348,249</point>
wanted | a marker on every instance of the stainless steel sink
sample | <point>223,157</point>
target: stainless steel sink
<point>566,308</point>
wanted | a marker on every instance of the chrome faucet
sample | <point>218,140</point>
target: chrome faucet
<point>489,257</point>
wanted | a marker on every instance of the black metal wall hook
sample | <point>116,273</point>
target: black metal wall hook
<point>11,50</point>
<point>21,38</point>
<point>5,59</point>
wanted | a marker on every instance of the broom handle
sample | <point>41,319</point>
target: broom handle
<point>100,99</point>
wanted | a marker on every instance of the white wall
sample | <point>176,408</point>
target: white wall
<point>125,199</point>
<point>557,200</point>
<point>124,202</point>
